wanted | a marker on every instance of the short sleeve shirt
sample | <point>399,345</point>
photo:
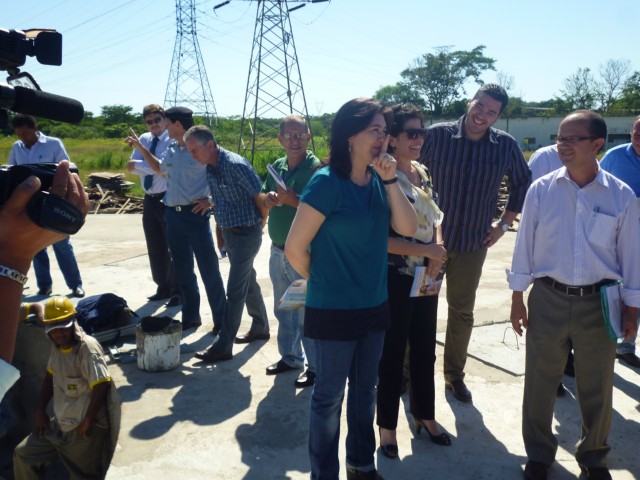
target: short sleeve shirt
<point>349,252</point>
<point>281,218</point>
<point>186,177</point>
<point>75,372</point>
<point>233,183</point>
<point>45,150</point>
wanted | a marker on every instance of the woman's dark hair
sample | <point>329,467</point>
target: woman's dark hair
<point>352,118</point>
<point>397,116</point>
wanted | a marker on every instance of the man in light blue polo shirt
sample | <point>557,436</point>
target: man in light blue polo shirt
<point>187,213</point>
<point>36,147</point>
<point>623,162</point>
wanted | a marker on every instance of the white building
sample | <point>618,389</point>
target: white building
<point>534,132</point>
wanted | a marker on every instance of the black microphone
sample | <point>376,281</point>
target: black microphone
<point>40,104</point>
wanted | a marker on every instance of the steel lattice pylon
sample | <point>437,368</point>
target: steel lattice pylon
<point>274,83</point>
<point>188,85</point>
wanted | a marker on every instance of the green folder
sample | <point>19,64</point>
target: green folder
<point>611,301</point>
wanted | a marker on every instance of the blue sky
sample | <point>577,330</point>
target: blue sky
<point>119,52</point>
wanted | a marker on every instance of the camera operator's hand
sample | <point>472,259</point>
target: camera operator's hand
<point>20,238</point>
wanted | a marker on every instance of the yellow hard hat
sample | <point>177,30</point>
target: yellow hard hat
<point>58,313</point>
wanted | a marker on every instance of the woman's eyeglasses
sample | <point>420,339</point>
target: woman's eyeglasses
<point>414,133</point>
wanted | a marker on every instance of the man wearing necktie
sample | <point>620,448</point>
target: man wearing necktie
<point>153,222</point>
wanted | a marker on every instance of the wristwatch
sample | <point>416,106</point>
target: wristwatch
<point>503,225</point>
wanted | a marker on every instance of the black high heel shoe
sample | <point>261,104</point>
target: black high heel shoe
<point>389,450</point>
<point>442,439</point>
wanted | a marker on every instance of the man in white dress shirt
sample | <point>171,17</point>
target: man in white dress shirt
<point>34,146</point>
<point>579,232</point>
<point>155,186</point>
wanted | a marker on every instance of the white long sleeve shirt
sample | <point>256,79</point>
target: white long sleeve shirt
<point>578,236</point>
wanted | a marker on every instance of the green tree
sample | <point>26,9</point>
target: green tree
<point>580,90</point>
<point>613,77</point>
<point>439,78</point>
<point>630,96</point>
<point>115,114</point>
<point>399,93</point>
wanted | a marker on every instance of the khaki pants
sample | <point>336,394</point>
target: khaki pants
<point>463,276</point>
<point>81,456</point>
<point>555,319</point>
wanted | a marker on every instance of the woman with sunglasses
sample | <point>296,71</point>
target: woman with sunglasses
<point>338,240</point>
<point>413,319</point>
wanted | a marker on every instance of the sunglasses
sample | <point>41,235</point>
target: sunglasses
<point>414,133</point>
<point>153,120</point>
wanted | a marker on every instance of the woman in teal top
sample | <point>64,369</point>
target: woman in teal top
<point>339,241</point>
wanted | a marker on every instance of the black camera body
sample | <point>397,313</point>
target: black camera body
<point>16,45</point>
<point>47,211</point>
<point>22,94</point>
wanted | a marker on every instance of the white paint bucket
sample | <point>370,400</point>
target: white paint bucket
<point>159,351</point>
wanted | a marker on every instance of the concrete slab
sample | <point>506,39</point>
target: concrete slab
<point>231,421</point>
<point>497,345</point>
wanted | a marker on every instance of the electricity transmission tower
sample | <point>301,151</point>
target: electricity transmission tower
<point>188,85</point>
<point>274,83</point>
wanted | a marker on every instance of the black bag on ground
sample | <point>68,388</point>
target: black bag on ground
<point>103,312</point>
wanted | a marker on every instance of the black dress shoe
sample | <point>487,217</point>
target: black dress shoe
<point>192,324</point>
<point>595,473</point>
<point>535,470</point>
<point>174,301</point>
<point>629,358</point>
<point>279,367</point>
<point>211,356</point>
<point>459,390</point>
<point>158,296</point>
<point>78,292</point>
<point>45,292</point>
<point>250,337</point>
<point>306,379</point>
<point>353,474</point>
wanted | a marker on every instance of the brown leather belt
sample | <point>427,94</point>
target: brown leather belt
<point>576,290</point>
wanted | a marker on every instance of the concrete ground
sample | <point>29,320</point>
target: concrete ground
<point>231,421</point>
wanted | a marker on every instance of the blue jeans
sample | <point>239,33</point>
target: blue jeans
<point>242,286</point>
<point>337,361</point>
<point>628,346</point>
<point>189,234</point>
<point>66,261</point>
<point>291,337</point>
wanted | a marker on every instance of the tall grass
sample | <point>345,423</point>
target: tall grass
<point>111,155</point>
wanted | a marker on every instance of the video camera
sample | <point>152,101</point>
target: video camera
<point>45,210</point>
<point>22,94</point>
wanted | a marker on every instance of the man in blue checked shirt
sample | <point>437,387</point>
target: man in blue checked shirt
<point>235,188</point>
